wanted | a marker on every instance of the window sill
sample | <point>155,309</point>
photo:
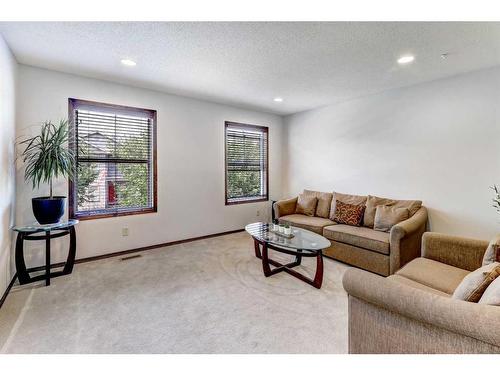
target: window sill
<point>230,203</point>
<point>82,217</point>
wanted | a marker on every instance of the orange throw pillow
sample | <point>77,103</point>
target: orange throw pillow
<point>349,214</point>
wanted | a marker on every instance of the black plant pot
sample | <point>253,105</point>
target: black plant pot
<point>48,210</point>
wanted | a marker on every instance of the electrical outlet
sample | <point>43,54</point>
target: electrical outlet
<point>125,232</point>
<point>258,212</point>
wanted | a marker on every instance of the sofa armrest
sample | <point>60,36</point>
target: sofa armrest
<point>465,253</point>
<point>285,207</point>
<point>481,322</point>
<point>406,239</point>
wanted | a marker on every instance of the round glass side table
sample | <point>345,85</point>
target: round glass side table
<point>38,232</point>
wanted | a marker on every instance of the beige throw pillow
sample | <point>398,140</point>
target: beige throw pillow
<point>371,208</point>
<point>324,202</point>
<point>306,205</point>
<point>492,253</point>
<point>475,283</point>
<point>491,295</point>
<point>357,200</point>
<point>388,216</point>
<point>372,202</point>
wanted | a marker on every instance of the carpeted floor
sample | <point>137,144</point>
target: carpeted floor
<point>207,296</point>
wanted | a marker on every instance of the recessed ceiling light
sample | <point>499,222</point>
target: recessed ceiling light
<point>278,99</point>
<point>406,59</point>
<point>128,62</point>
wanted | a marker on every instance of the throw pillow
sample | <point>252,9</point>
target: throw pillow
<point>492,253</point>
<point>345,198</point>
<point>349,214</point>
<point>372,203</point>
<point>306,205</point>
<point>491,295</point>
<point>324,202</point>
<point>475,283</point>
<point>388,216</point>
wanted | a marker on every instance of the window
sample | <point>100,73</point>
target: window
<point>246,163</point>
<point>115,151</point>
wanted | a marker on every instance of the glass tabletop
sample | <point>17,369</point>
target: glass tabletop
<point>35,227</point>
<point>302,239</point>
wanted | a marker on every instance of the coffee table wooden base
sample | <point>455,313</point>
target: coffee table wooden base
<point>279,267</point>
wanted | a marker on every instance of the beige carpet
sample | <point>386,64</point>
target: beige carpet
<point>207,296</point>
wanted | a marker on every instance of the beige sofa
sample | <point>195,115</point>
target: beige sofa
<point>380,252</point>
<point>412,312</point>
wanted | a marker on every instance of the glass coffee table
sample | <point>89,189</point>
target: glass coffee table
<point>304,243</point>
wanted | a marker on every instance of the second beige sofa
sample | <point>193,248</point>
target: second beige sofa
<point>379,252</point>
<point>413,311</point>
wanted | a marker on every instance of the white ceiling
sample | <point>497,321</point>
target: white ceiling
<point>247,64</point>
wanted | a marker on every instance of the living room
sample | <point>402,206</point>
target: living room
<point>194,187</point>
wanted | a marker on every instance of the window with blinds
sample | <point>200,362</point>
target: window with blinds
<point>115,152</point>
<point>246,163</point>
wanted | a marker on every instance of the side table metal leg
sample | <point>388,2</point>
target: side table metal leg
<point>22,274</point>
<point>70,262</point>
<point>47,258</point>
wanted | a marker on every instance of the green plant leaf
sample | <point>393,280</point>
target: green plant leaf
<point>47,155</point>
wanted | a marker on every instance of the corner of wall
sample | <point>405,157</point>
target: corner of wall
<point>8,88</point>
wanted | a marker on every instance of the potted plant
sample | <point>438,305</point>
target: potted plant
<point>288,229</point>
<point>47,157</point>
<point>496,199</point>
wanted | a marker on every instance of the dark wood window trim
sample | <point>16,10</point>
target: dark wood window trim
<point>72,105</point>
<point>263,129</point>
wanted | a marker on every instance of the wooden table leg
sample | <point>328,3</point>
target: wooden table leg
<point>318,278</point>
<point>265,261</point>
<point>257,249</point>
<point>279,267</point>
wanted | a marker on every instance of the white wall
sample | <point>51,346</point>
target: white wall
<point>190,161</point>
<point>8,71</point>
<point>439,142</point>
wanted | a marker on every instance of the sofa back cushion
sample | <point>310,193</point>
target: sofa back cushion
<point>472,287</point>
<point>492,253</point>
<point>372,202</point>
<point>324,202</point>
<point>388,216</point>
<point>306,205</point>
<point>346,198</point>
<point>350,214</point>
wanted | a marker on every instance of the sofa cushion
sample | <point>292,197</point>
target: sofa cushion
<point>433,274</point>
<point>372,202</point>
<point>365,238</point>
<point>312,223</point>
<point>388,216</point>
<point>324,202</point>
<point>492,253</point>
<point>473,285</point>
<point>350,214</point>
<point>403,280</point>
<point>306,205</point>
<point>346,198</point>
